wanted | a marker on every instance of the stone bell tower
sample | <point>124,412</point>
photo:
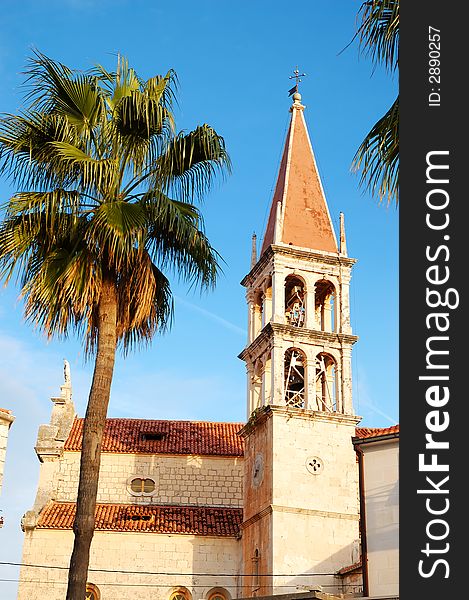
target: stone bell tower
<point>301,506</point>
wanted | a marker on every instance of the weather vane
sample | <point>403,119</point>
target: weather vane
<point>297,76</point>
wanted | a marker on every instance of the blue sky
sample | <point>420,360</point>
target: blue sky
<point>233,61</point>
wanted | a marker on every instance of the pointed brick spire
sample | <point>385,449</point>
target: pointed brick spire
<point>299,215</point>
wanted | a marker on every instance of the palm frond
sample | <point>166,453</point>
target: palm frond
<point>93,174</point>
<point>378,33</point>
<point>116,229</point>
<point>145,302</point>
<point>378,157</point>
<point>175,240</point>
<point>190,162</point>
<point>95,156</point>
<point>56,88</point>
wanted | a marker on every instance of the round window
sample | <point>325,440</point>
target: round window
<point>92,592</point>
<point>141,485</point>
<point>314,465</point>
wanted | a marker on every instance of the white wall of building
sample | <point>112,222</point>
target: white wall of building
<point>381,483</point>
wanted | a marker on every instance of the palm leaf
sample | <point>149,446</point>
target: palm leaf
<point>190,162</point>
<point>55,88</point>
<point>378,33</point>
<point>378,157</point>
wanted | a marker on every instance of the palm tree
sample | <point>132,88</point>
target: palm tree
<point>378,154</point>
<point>105,205</point>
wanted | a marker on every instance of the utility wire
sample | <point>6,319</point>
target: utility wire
<point>154,585</point>
<point>172,574</point>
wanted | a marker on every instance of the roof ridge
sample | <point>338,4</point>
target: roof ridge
<point>169,420</point>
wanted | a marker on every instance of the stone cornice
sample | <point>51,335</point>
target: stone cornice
<point>300,253</point>
<point>258,267</point>
<point>301,333</point>
<point>6,417</point>
<point>312,334</point>
<point>271,508</point>
<point>263,413</point>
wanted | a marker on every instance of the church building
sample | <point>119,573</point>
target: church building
<point>296,498</point>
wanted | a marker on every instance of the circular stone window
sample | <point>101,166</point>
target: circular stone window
<point>314,465</point>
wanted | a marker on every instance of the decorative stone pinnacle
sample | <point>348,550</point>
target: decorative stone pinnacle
<point>66,388</point>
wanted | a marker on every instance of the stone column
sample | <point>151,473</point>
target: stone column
<point>310,383</point>
<point>347,380</point>
<point>311,322</point>
<point>250,298</point>
<point>267,312</point>
<point>278,296</point>
<point>277,372</point>
<point>267,382</point>
<point>344,307</point>
<point>250,385</point>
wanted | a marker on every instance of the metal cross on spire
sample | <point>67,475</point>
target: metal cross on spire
<point>297,76</point>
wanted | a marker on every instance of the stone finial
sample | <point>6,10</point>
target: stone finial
<point>66,388</point>
<point>343,241</point>
<point>253,250</point>
<point>67,377</point>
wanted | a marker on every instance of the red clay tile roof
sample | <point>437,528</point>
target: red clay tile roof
<point>191,520</point>
<point>350,568</point>
<point>371,432</point>
<point>178,437</point>
<point>181,437</point>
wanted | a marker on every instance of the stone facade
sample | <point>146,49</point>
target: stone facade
<point>187,480</point>
<point>6,419</point>
<point>133,552</point>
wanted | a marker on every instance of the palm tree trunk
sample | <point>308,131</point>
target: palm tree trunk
<point>93,429</point>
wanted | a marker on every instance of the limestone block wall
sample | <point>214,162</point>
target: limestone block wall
<point>381,482</point>
<point>304,543</point>
<point>195,562</point>
<point>315,500</point>
<point>187,480</point>
<point>304,515</point>
<point>258,493</point>
<point>300,440</point>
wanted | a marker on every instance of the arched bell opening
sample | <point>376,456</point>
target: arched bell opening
<point>326,383</point>
<point>295,378</point>
<point>325,305</point>
<point>295,301</point>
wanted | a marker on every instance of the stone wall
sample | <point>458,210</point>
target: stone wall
<point>310,525</point>
<point>187,480</point>
<point>196,563</point>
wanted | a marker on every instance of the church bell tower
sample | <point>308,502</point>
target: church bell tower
<point>301,505</point>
